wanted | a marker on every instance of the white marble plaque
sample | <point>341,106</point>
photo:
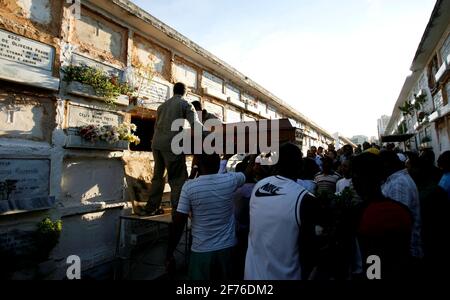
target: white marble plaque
<point>25,51</point>
<point>247,118</point>
<point>24,184</point>
<point>155,92</point>
<point>186,75</point>
<point>191,97</point>
<point>234,95</point>
<point>214,109</point>
<point>92,180</point>
<point>272,112</point>
<point>233,116</point>
<point>252,103</point>
<point>79,60</point>
<point>82,116</point>
<point>212,82</point>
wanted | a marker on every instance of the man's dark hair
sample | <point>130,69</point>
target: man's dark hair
<point>179,88</point>
<point>241,167</point>
<point>290,162</point>
<point>310,169</point>
<point>208,164</point>
<point>366,146</point>
<point>367,173</point>
<point>444,161</point>
<point>320,149</point>
<point>428,157</point>
<point>197,105</point>
<point>391,163</point>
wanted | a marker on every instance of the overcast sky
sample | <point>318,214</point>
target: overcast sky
<point>341,63</point>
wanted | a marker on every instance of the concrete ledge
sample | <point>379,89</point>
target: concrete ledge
<point>87,91</point>
<point>92,208</point>
<point>12,71</point>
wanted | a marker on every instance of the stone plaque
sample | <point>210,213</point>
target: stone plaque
<point>185,74</point>
<point>262,107</point>
<point>24,184</point>
<point>25,51</point>
<point>234,95</point>
<point>214,109</point>
<point>247,118</point>
<point>233,116</point>
<point>191,97</point>
<point>92,180</point>
<point>95,32</point>
<point>252,103</point>
<point>155,92</point>
<point>211,81</point>
<point>82,116</point>
<point>272,112</point>
<point>79,60</point>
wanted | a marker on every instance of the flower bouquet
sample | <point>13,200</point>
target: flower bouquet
<point>110,134</point>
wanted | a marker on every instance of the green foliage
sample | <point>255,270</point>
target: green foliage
<point>105,85</point>
<point>408,107</point>
<point>47,237</point>
<point>401,129</point>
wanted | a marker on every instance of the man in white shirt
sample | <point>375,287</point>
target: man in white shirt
<point>282,223</point>
<point>399,186</point>
<point>345,182</point>
<point>209,198</point>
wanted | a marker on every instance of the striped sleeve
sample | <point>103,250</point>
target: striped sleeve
<point>184,204</point>
<point>239,179</point>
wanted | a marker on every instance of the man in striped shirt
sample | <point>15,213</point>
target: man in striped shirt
<point>327,179</point>
<point>209,198</point>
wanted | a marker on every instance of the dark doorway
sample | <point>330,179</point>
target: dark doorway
<point>145,128</point>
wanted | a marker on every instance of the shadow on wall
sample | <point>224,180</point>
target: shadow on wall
<point>89,180</point>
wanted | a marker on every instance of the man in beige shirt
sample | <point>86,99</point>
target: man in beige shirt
<point>173,109</point>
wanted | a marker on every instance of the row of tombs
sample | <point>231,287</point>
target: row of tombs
<point>79,89</point>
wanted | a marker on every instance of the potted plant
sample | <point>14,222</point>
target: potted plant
<point>93,83</point>
<point>32,261</point>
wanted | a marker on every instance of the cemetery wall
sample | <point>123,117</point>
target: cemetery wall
<point>47,169</point>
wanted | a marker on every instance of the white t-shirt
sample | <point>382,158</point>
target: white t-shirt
<point>210,199</point>
<point>273,250</point>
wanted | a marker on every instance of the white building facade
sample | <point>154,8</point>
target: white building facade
<point>422,108</point>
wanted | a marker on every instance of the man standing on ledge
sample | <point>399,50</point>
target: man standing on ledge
<point>173,109</point>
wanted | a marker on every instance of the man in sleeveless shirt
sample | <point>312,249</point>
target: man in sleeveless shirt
<point>282,222</point>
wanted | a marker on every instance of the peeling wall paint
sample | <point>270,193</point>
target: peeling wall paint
<point>27,115</point>
<point>146,53</point>
<point>100,38</point>
<point>23,17</point>
<point>36,10</point>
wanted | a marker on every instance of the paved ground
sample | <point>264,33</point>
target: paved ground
<point>147,262</point>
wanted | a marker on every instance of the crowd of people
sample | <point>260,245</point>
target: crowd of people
<point>317,217</point>
<point>322,216</point>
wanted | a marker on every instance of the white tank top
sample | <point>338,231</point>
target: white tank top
<point>273,243</point>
